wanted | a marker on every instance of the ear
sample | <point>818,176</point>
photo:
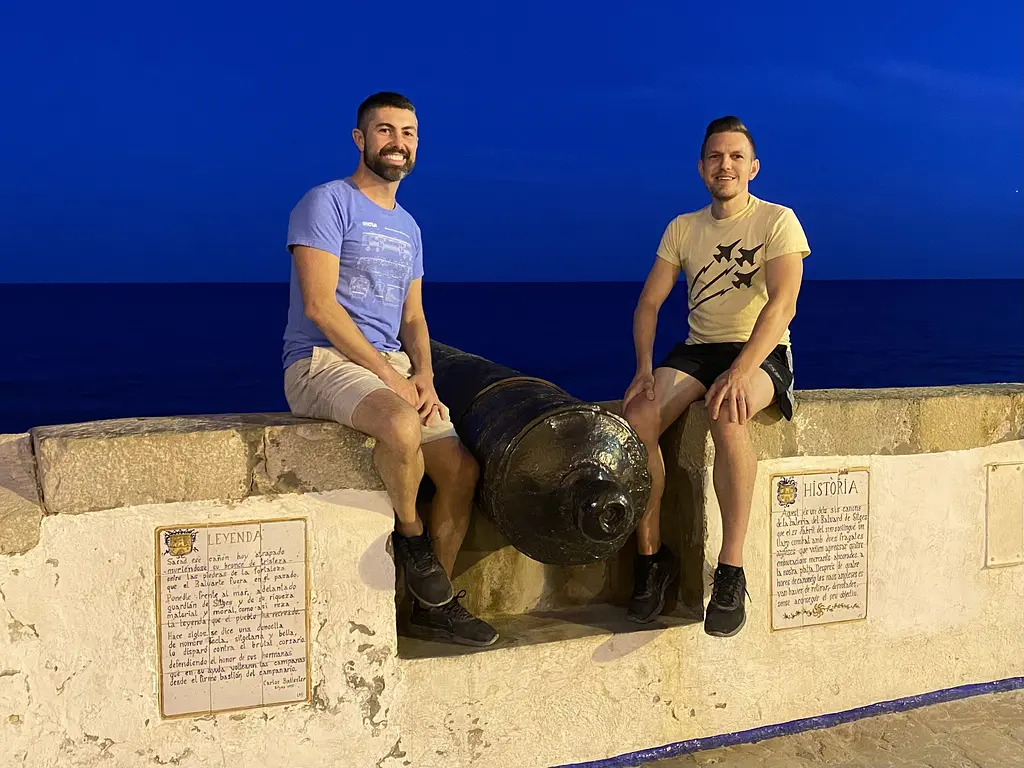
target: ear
<point>754,168</point>
<point>700,167</point>
<point>359,139</point>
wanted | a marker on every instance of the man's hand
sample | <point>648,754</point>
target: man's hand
<point>642,382</point>
<point>427,402</point>
<point>403,387</point>
<point>730,396</point>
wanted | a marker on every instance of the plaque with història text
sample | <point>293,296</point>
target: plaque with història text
<point>232,616</point>
<point>819,545</point>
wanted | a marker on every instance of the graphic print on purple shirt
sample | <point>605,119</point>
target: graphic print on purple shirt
<point>380,252</point>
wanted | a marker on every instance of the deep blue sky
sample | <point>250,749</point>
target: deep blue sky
<point>168,142</point>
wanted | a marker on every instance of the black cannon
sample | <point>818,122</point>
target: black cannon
<point>565,481</point>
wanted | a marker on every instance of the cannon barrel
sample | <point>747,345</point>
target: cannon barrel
<point>565,481</point>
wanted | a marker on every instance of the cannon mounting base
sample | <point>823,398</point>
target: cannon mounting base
<point>554,627</point>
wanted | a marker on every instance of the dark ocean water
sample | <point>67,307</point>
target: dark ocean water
<point>72,353</point>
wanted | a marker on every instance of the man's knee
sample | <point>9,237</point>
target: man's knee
<point>644,417</point>
<point>725,432</point>
<point>399,430</point>
<point>458,472</point>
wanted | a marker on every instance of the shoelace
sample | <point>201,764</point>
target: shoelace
<point>420,552</point>
<point>727,590</point>
<point>455,609</point>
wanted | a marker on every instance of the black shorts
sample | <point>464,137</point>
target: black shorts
<point>706,362</point>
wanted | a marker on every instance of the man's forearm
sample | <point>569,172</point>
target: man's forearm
<point>339,328</point>
<point>416,341</point>
<point>645,323</point>
<point>771,323</point>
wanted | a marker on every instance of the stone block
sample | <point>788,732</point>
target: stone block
<point>126,462</point>
<point>315,456</point>
<point>686,446</point>
<point>497,582</point>
<point>854,423</point>
<point>21,513</point>
<point>962,418</point>
<point>862,422</point>
<point>500,580</point>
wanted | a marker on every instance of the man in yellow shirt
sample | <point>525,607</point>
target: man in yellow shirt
<point>743,261</point>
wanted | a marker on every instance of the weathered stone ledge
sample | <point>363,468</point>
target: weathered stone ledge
<point>78,468</point>
<point>871,422</point>
<point>126,462</point>
<point>20,510</point>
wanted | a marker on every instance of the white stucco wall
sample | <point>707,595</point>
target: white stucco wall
<point>78,650</point>
<point>78,653</point>
<point>937,618</point>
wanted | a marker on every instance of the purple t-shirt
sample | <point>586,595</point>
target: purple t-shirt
<point>380,253</point>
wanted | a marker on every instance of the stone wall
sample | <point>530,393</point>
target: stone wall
<point>569,681</point>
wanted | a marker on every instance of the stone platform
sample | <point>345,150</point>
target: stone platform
<point>569,681</point>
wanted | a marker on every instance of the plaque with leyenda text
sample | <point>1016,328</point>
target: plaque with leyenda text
<point>819,547</point>
<point>232,616</point>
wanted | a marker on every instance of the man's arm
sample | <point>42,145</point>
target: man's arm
<point>657,287</point>
<point>413,331</point>
<point>416,342</point>
<point>783,276</point>
<point>318,281</point>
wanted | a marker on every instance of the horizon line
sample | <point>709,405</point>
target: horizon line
<point>494,282</point>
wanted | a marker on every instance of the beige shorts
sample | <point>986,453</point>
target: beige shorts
<point>329,386</point>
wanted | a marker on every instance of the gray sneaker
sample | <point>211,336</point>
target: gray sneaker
<point>725,615</point>
<point>450,623</point>
<point>653,577</point>
<point>424,577</point>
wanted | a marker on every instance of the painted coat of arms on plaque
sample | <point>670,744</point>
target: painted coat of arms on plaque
<point>180,542</point>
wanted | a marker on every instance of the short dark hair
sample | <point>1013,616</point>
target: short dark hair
<point>727,124</point>
<point>378,100</point>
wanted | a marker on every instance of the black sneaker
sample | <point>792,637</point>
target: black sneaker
<point>652,576</point>
<point>725,615</point>
<point>424,577</point>
<point>450,623</point>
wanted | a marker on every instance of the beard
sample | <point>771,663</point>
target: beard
<point>385,170</point>
<point>723,192</point>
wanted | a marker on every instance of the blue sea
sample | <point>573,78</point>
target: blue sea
<point>71,353</point>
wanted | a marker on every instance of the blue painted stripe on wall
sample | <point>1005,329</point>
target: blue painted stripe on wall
<point>798,726</point>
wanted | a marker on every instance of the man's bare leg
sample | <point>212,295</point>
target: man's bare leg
<point>454,471</point>
<point>735,470</point>
<point>674,391</point>
<point>395,425</point>
<point>656,566</point>
<point>399,461</point>
<point>734,473</point>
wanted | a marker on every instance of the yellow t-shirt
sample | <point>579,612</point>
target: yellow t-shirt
<point>724,261</point>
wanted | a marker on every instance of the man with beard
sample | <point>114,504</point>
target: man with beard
<point>357,351</point>
<point>743,260</point>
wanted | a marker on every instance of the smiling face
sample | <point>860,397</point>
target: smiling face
<point>388,142</point>
<point>728,165</point>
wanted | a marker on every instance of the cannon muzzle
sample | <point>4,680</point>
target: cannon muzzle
<point>565,481</point>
